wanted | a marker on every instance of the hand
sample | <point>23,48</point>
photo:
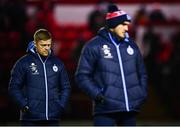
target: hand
<point>100,99</point>
<point>25,109</point>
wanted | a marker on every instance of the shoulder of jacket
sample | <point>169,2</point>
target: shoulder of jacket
<point>94,42</point>
<point>57,61</point>
<point>23,59</point>
<point>132,43</point>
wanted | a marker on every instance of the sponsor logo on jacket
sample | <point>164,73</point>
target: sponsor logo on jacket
<point>34,69</point>
<point>107,51</point>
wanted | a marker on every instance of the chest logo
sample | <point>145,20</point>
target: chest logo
<point>55,68</point>
<point>130,50</point>
<point>34,69</point>
<point>107,51</point>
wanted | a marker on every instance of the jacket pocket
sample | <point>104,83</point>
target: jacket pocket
<point>33,104</point>
<point>60,105</point>
<point>136,93</point>
<point>55,106</point>
<point>36,106</point>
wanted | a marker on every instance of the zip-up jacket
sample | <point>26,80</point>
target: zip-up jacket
<point>42,85</point>
<point>114,69</point>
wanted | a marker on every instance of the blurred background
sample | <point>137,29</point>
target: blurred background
<point>155,28</point>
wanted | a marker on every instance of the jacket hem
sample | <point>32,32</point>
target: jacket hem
<point>113,111</point>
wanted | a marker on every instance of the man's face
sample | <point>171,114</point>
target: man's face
<point>121,29</point>
<point>43,47</point>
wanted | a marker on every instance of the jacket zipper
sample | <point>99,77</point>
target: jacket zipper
<point>122,72</point>
<point>46,86</point>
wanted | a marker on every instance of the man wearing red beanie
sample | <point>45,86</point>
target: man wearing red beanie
<point>112,73</point>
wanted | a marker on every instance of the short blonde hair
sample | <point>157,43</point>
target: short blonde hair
<point>42,34</point>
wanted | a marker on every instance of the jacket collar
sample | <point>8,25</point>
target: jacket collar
<point>104,33</point>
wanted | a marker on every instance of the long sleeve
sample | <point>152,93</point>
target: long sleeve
<point>85,71</point>
<point>65,88</point>
<point>16,84</point>
<point>142,72</point>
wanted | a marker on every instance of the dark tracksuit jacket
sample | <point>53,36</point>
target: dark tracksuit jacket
<point>114,69</point>
<point>42,85</point>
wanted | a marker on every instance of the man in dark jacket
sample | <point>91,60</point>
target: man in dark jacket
<point>39,83</point>
<point>111,71</point>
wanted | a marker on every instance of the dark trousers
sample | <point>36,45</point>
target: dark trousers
<point>40,123</point>
<point>115,119</point>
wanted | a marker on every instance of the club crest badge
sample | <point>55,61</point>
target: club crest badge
<point>55,68</point>
<point>34,69</point>
<point>107,51</point>
<point>130,50</point>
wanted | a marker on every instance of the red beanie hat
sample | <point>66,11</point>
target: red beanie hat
<point>115,16</point>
